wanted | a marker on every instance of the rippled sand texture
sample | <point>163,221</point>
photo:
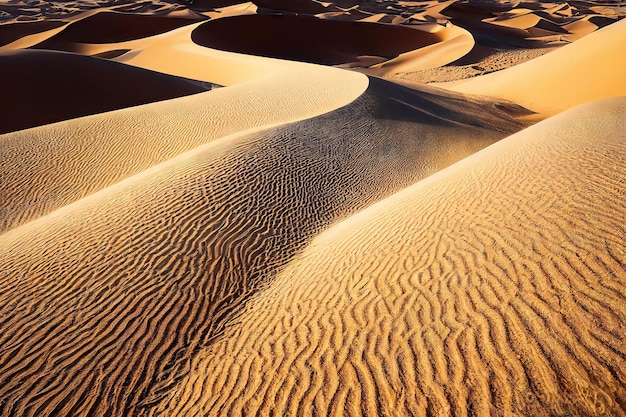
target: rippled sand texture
<point>495,287</point>
<point>236,209</point>
<point>150,268</point>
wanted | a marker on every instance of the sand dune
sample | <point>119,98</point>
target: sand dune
<point>10,33</point>
<point>279,36</point>
<point>494,287</point>
<point>529,24</point>
<point>136,278</point>
<point>590,69</point>
<point>35,10</point>
<point>48,87</point>
<point>307,240</point>
<point>335,42</point>
<point>112,27</point>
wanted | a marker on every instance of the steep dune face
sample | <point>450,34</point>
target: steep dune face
<point>136,278</point>
<point>47,87</point>
<point>494,287</point>
<point>590,69</point>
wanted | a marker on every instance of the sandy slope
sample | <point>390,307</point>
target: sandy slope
<point>590,69</point>
<point>63,162</point>
<point>494,287</point>
<point>105,301</point>
<point>48,86</point>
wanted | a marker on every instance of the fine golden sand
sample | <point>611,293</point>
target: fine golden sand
<point>475,292</point>
<point>280,209</point>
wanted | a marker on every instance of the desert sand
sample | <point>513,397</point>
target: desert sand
<point>312,208</point>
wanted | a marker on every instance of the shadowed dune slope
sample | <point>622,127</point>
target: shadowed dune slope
<point>589,69</point>
<point>494,287</point>
<point>104,303</point>
<point>306,38</point>
<point>13,31</point>
<point>43,87</point>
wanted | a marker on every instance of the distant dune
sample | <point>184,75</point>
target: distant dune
<point>278,208</point>
<point>335,42</point>
<point>587,70</point>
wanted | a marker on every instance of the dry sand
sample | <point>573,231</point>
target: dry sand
<point>63,162</point>
<point>305,239</point>
<point>494,287</point>
<point>152,266</point>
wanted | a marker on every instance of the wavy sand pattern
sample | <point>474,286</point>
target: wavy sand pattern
<point>222,208</point>
<point>516,311</point>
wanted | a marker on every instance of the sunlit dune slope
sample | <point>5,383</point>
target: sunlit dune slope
<point>529,23</point>
<point>589,69</point>
<point>12,32</point>
<point>104,302</point>
<point>494,287</point>
<point>43,87</point>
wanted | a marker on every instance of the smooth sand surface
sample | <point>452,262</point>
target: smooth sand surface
<point>306,239</point>
<point>587,70</point>
<point>494,286</point>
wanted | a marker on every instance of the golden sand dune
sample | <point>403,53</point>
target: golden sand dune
<point>112,27</point>
<point>10,33</point>
<point>47,87</point>
<point>532,24</point>
<point>589,69</point>
<point>292,243</point>
<point>106,300</point>
<point>494,287</point>
<point>36,10</point>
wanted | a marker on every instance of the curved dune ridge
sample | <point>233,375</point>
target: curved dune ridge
<point>63,162</point>
<point>134,279</point>
<point>494,286</point>
<point>64,88</point>
<point>333,42</point>
<point>12,32</point>
<point>112,27</point>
